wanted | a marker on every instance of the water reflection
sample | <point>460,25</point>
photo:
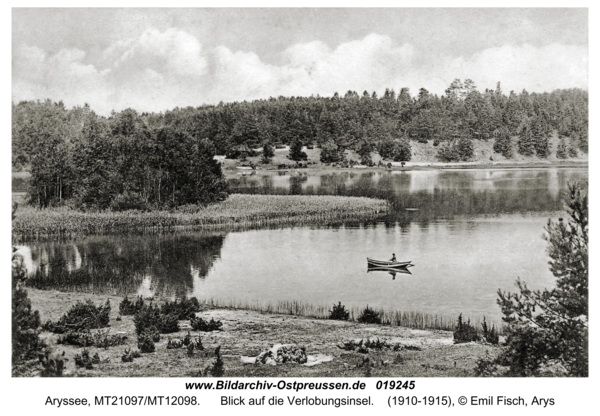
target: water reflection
<point>436,194</point>
<point>389,270</point>
<point>471,233</point>
<point>167,264</point>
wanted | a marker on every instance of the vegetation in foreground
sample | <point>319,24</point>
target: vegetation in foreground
<point>358,350</point>
<point>237,210</point>
<point>547,331</point>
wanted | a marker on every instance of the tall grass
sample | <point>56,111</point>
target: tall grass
<point>238,211</point>
<point>392,317</point>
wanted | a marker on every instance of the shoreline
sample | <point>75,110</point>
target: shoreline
<point>232,173</point>
<point>422,353</point>
<point>420,165</point>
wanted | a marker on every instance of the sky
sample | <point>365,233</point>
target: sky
<point>159,59</point>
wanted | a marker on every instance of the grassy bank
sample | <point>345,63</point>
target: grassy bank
<point>422,353</point>
<point>236,211</point>
<point>392,317</point>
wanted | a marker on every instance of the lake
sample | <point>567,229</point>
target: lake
<point>468,232</point>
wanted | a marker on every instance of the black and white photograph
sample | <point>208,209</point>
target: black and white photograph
<point>248,195</point>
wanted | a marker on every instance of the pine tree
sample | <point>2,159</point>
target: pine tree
<point>268,153</point>
<point>547,330</point>
<point>561,149</point>
<point>296,152</point>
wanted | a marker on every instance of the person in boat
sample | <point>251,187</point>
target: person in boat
<point>394,258</point>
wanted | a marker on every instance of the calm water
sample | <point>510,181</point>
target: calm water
<point>469,233</point>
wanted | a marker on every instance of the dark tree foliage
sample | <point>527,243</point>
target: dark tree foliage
<point>547,331</point>
<point>503,143</point>
<point>561,149</point>
<point>402,151</point>
<point>330,152</point>
<point>296,152</point>
<point>268,152</point>
<point>26,343</point>
<point>339,312</point>
<point>369,316</point>
<point>152,159</point>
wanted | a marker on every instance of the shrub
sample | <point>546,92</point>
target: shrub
<point>199,324</point>
<point>128,356</point>
<point>402,151</point>
<point>145,344</point>
<point>464,331</point>
<point>53,365</point>
<point>150,316</point>
<point>547,330</point>
<point>82,315</point>
<point>152,333</point>
<point>174,343</point>
<point>369,316</point>
<point>85,338</point>
<point>127,307</point>
<point>183,309</point>
<point>217,367</point>
<point>84,360</point>
<point>339,312</point>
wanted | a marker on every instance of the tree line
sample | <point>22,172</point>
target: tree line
<point>159,158</point>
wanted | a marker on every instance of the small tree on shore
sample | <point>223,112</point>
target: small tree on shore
<point>268,153</point>
<point>296,152</point>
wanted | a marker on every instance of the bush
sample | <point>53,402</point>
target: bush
<point>127,307</point>
<point>145,344</point>
<point>84,360</point>
<point>547,332</point>
<point>217,367</point>
<point>53,365</point>
<point>150,316</point>
<point>339,312</point>
<point>85,338</point>
<point>81,316</point>
<point>127,201</point>
<point>402,151</point>
<point>183,309</point>
<point>152,333</point>
<point>129,355</point>
<point>464,331</point>
<point>199,324</point>
<point>369,316</point>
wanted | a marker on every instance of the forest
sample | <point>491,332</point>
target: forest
<point>166,159</point>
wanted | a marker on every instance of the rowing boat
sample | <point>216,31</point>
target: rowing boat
<point>382,263</point>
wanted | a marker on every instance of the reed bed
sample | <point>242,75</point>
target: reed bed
<point>237,211</point>
<point>392,317</point>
